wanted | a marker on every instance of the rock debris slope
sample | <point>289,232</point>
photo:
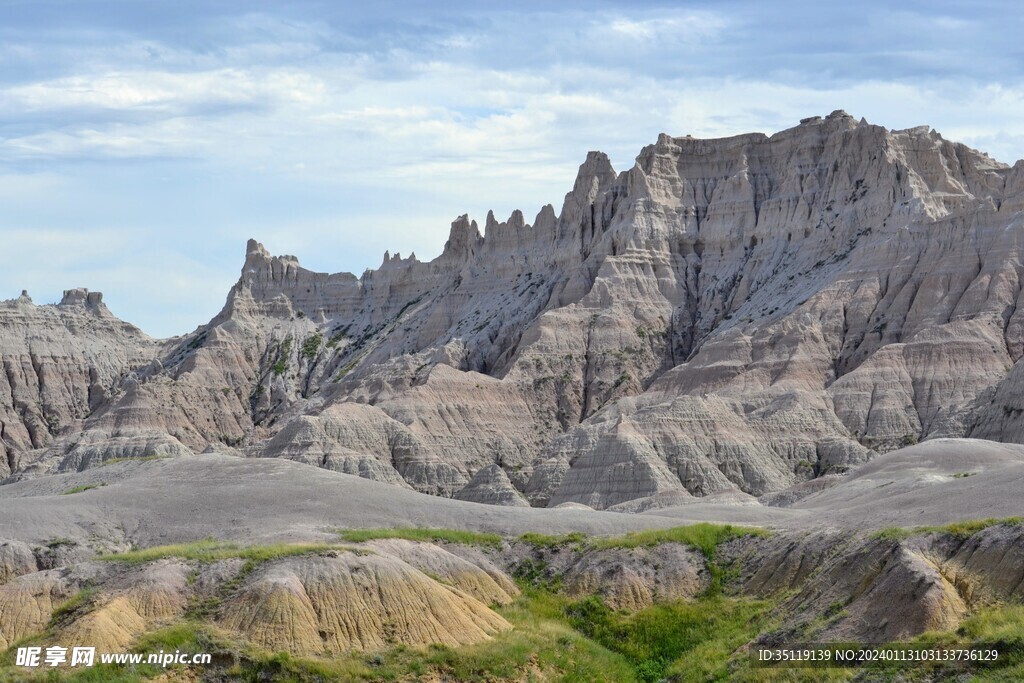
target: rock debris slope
<point>741,313</point>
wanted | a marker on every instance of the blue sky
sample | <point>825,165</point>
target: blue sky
<point>141,143</point>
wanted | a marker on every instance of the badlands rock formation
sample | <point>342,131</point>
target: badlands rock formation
<point>61,363</point>
<point>331,601</point>
<point>344,601</point>
<point>745,313</point>
<point>280,579</point>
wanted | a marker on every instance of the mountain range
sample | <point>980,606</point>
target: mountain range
<point>526,459</point>
<point>727,317</point>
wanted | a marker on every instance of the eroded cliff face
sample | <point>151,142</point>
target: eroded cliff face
<point>60,364</point>
<point>742,313</point>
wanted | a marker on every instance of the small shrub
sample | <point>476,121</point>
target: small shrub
<point>311,346</point>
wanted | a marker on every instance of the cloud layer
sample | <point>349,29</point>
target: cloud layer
<point>142,143</point>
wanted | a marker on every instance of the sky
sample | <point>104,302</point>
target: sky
<point>142,143</point>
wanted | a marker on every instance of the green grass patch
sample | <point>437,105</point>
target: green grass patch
<point>999,627</point>
<point>576,539</point>
<point>95,674</point>
<point>426,535</point>
<point>78,602</point>
<point>961,530</point>
<point>703,536</point>
<point>146,458</point>
<point>83,487</point>
<point>542,646</point>
<point>189,637</point>
<point>968,528</point>
<point>687,640</point>
<point>210,550</point>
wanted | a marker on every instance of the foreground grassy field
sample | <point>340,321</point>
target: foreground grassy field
<point>555,638</point>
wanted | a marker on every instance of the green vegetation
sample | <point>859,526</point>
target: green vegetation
<point>188,637</point>
<point>999,627</point>
<point>426,535</point>
<point>575,539</point>
<point>210,550</point>
<point>535,573</point>
<point>76,603</point>
<point>196,342</point>
<point>962,530</point>
<point>968,528</point>
<point>311,346</point>
<point>1002,625</point>
<point>337,338</point>
<point>282,356</point>
<point>145,458</point>
<point>83,487</point>
<point>541,646</point>
<point>345,370</point>
<point>556,638</point>
<point>678,638</point>
<point>410,304</point>
<point>703,536</point>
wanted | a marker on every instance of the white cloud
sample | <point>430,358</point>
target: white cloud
<point>334,142</point>
<point>163,91</point>
<point>686,27</point>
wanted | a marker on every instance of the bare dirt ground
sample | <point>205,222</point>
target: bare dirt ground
<point>259,500</point>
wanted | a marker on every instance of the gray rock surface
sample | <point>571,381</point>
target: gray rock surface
<point>492,485</point>
<point>742,313</point>
<point>175,500</point>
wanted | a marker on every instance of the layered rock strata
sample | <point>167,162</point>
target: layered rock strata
<point>741,313</point>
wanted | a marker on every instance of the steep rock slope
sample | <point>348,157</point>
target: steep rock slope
<point>60,363</point>
<point>747,313</point>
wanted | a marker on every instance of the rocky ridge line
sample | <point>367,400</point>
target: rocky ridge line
<point>743,313</point>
